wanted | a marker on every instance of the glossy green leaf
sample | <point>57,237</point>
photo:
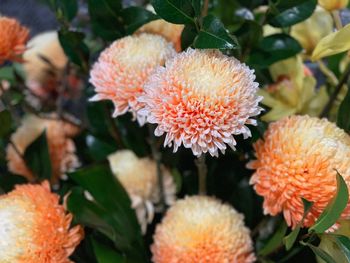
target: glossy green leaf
<point>99,149</point>
<point>274,48</point>
<point>110,196</point>
<point>321,253</point>
<point>105,254</point>
<point>214,35</point>
<point>91,214</point>
<point>6,123</point>
<point>74,47</point>
<point>175,11</point>
<point>334,209</point>
<point>37,157</point>
<point>343,243</point>
<point>343,118</point>
<point>288,13</point>
<point>106,21</point>
<point>69,8</point>
<point>134,17</point>
<point>275,241</point>
<point>197,4</point>
<point>187,36</point>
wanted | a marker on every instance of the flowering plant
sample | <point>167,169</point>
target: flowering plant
<point>176,131</point>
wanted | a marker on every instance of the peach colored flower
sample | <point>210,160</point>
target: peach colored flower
<point>46,69</point>
<point>13,38</point>
<point>297,159</point>
<point>171,32</point>
<point>61,147</point>
<point>35,228</point>
<point>200,99</point>
<point>139,178</point>
<point>201,229</point>
<point>122,69</point>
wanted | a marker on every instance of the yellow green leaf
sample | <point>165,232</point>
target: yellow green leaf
<point>334,43</point>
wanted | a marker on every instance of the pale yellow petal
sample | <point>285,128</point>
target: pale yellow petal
<point>334,43</point>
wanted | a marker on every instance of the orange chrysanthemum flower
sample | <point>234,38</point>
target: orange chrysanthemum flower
<point>122,69</point>
<point>169,31</point>
<point>61,147</point>
<point>35,228</point>
<point>201,229</point>
<point>201,99</point>
<point>13,38</point>
<point>297,159</point>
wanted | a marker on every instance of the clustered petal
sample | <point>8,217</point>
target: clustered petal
<point>122,69</point>
<point>298,158</point>
<point>61,146</point>
<point>201,99</point>
<point>201,229</point>
<point>13,38</point>
<point>139,178</point>
<point>35,228</point>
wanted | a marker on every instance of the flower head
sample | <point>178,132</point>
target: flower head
<point>139,178</point>
<point>201,99</point>
<point>293,91</point>
<point>122,69</point>
<point>332,5</point>
<point>298,158</point>
<point>45,68</point>
<point>312,30</point>
<point>201,229</point>
<point>13,37</point>
<point>61,147</point>
<point>35,228</point>
<point>171,32</point>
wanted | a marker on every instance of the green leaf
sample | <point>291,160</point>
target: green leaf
<point>334,208</point>
<point>135,17</point>
<point>289,240</point>
<point>343,118</point>
<point>74,47</point>
<point>115,206</point>
<point>99,149</point>
<point>187,36</point>
<point>105,19</point>
<point>69,8</point>
<point>91,214</point>
<point>214,35</point>
<point>332,44</point>
<point>288,13</point>
<point>343,243</point>
<point>319,252</point>
<point>105,254</point>
<point>6,123</point>
<point>37,157</point>
<point>274,48</point>
<point>275,241</point>
<point>175,11</point>
<point>197,4</point>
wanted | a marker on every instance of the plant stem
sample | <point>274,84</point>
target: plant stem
<point>328,73</point>
<point>343,79</point>
<point>202,174</point>
<point>205,8</point>
<point>112,128</point>
<point>337,19</point>
<point>157,156</point>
